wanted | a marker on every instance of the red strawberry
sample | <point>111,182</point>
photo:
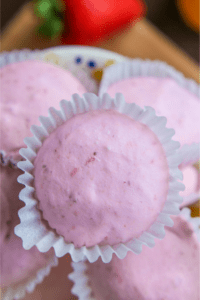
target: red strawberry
<point>88,21</point>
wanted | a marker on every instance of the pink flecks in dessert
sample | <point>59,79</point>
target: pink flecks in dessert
<point>27,91</point>
<point>17,264</point>
<point>91,159</point>
<point>168,271</point>
<point>109,183</point>
<point>75,170</point>
<point>178,105</point>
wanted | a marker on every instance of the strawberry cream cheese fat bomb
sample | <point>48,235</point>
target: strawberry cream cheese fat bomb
<point>101,178</point>
<point>19,267</point>
<point>156,84</point>
<point>27,90</point>
<point>178,105</point>
<point>168,271</point>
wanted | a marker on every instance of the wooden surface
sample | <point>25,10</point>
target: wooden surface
<point>56,286</point>
<point>142,40</point>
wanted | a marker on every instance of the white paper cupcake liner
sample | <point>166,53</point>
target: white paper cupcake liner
<point>33,230</point>
<point>7,58</point>
<point>143,68</point>
<point>80,278</point>
<point>18,291</point>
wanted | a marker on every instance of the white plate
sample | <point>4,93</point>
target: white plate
<point>88,54</point>
<point>80,60</point>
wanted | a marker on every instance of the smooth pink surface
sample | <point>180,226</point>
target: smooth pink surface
<point>178,105</point>
<point>16,263</point>
<point>27,91</point>
<point>169,271</point>
<point>101,178</point>
<point>191,180</point>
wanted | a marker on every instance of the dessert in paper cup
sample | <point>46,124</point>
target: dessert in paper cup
<point>21,270</point>
<point>191,173</point>
<point>28,89</point>
<point>156,84</point>
<point>159,85</point>
<point>101,177</point>
<point>168,271</point>
<point>30,78</point>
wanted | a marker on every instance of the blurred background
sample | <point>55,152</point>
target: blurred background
<point>173,17</point>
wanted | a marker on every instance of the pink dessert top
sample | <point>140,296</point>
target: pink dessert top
<point>101,178</point>
<point>178,105</point>
<point>191,180</point>
<point>168,271</point>
<point>16,263</point>
<point>27,90</point>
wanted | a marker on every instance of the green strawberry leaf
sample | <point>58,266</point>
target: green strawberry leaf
<point>51,28</point>
<point>43,9</point>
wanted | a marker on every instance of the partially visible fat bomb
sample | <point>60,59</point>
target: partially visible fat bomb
<point>27,90</point>
<point>168,271</point>
<point>169,99</point>
<point>17,264</point>
<point>9,203</point>
<point>101,178</point>
<point>191,180</point>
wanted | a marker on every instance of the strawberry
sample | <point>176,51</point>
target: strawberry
<point>88,21</point>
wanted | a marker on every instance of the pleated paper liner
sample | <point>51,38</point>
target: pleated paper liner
<point>46,55</point>
<point>33,229</point>
<point>145,68</point>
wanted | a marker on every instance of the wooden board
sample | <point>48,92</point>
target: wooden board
<point>56,286</point>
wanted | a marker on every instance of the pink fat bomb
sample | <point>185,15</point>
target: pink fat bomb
<point>168,271</point>
<point>27,91</point>
<point>17,264</point>
<point>177,104</point>
<point>101,178</point>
